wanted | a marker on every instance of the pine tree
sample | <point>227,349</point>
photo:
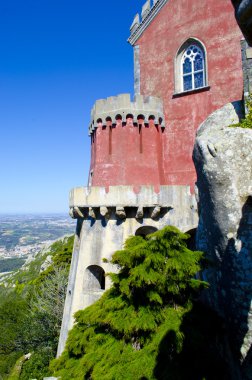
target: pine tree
<point>118,337</point>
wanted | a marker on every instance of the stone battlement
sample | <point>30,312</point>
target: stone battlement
<point>140,23</point>
<point>117,109</point>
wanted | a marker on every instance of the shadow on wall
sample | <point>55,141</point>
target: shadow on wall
<point>191,242</point>
<point>204,353</point>
<point>145,230</point>
<point>237,290</point>
<point>94,278</point>
<point>216,348</point>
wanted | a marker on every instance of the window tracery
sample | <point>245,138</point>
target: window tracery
<point>193,68</point>
<point>190,67</point>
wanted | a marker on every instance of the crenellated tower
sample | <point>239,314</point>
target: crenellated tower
<point>125,196</point>
<point>126,141</point>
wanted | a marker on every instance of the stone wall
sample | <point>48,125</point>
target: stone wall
<point>104,221</point>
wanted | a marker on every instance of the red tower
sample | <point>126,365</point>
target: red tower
<point>127,142</point>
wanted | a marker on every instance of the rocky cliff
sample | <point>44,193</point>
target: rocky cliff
<point>223,160</point>
<point>243,14</point>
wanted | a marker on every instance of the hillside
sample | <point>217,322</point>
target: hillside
<point>31,307</point>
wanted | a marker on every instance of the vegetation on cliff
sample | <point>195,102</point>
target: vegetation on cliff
<point>148,325</point>
<point>31,307</point>
<point>247,121</point>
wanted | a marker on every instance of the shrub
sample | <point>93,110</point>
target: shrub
<point>247,122</point>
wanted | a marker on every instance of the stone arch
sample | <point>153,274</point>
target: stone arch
<point>145,230</point>
<point>94,278</point>
<point>191,242</point>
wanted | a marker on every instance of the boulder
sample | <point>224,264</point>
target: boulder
<point>243,14</point>
<point>223,160</point>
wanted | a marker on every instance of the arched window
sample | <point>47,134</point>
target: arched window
<point>190,67</point>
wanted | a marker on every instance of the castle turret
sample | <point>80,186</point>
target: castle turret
<point>125,195</point>
<point>126,141</point>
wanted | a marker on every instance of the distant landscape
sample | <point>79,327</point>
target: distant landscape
<point>23,236</point>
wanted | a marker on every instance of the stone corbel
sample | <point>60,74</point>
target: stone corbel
<point>140,213</point>
<point>75,213</point>
<point>78,212</point>
<point>156,212</point>
<point>120,212</point>
<point>71,212</point>
<point>104,211</point>
<point>91,213</point>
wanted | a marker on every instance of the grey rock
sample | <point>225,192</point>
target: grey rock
<point>223,161</point>
<point>243,14</point>
<point>46,263</point>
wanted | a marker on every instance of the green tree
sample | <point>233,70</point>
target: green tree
<point>13,309</point>
<point>118,337</point>
<point>31,312</point>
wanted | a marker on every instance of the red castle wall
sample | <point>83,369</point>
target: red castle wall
<point>213,23</point>
<point>127,156</point>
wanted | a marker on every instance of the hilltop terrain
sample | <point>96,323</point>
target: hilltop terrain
<point>23,236</point>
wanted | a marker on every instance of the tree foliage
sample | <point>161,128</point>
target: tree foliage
<point>247,121</point>
<point>8,265</point>
<point>31,312</point>
<point>119,336</point>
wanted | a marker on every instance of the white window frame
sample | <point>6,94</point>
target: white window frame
<point>193,72</point>
<point>178,66</point>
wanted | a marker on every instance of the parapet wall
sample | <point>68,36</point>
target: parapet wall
<point>117,109</point>
<point>128,196</point>
<point>125,202</point>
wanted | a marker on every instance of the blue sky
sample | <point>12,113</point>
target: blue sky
<point>56,59</point>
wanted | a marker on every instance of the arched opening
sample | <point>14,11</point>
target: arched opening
<point>94,278</point>
<point>191,242</point>
<point>145,230</point>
